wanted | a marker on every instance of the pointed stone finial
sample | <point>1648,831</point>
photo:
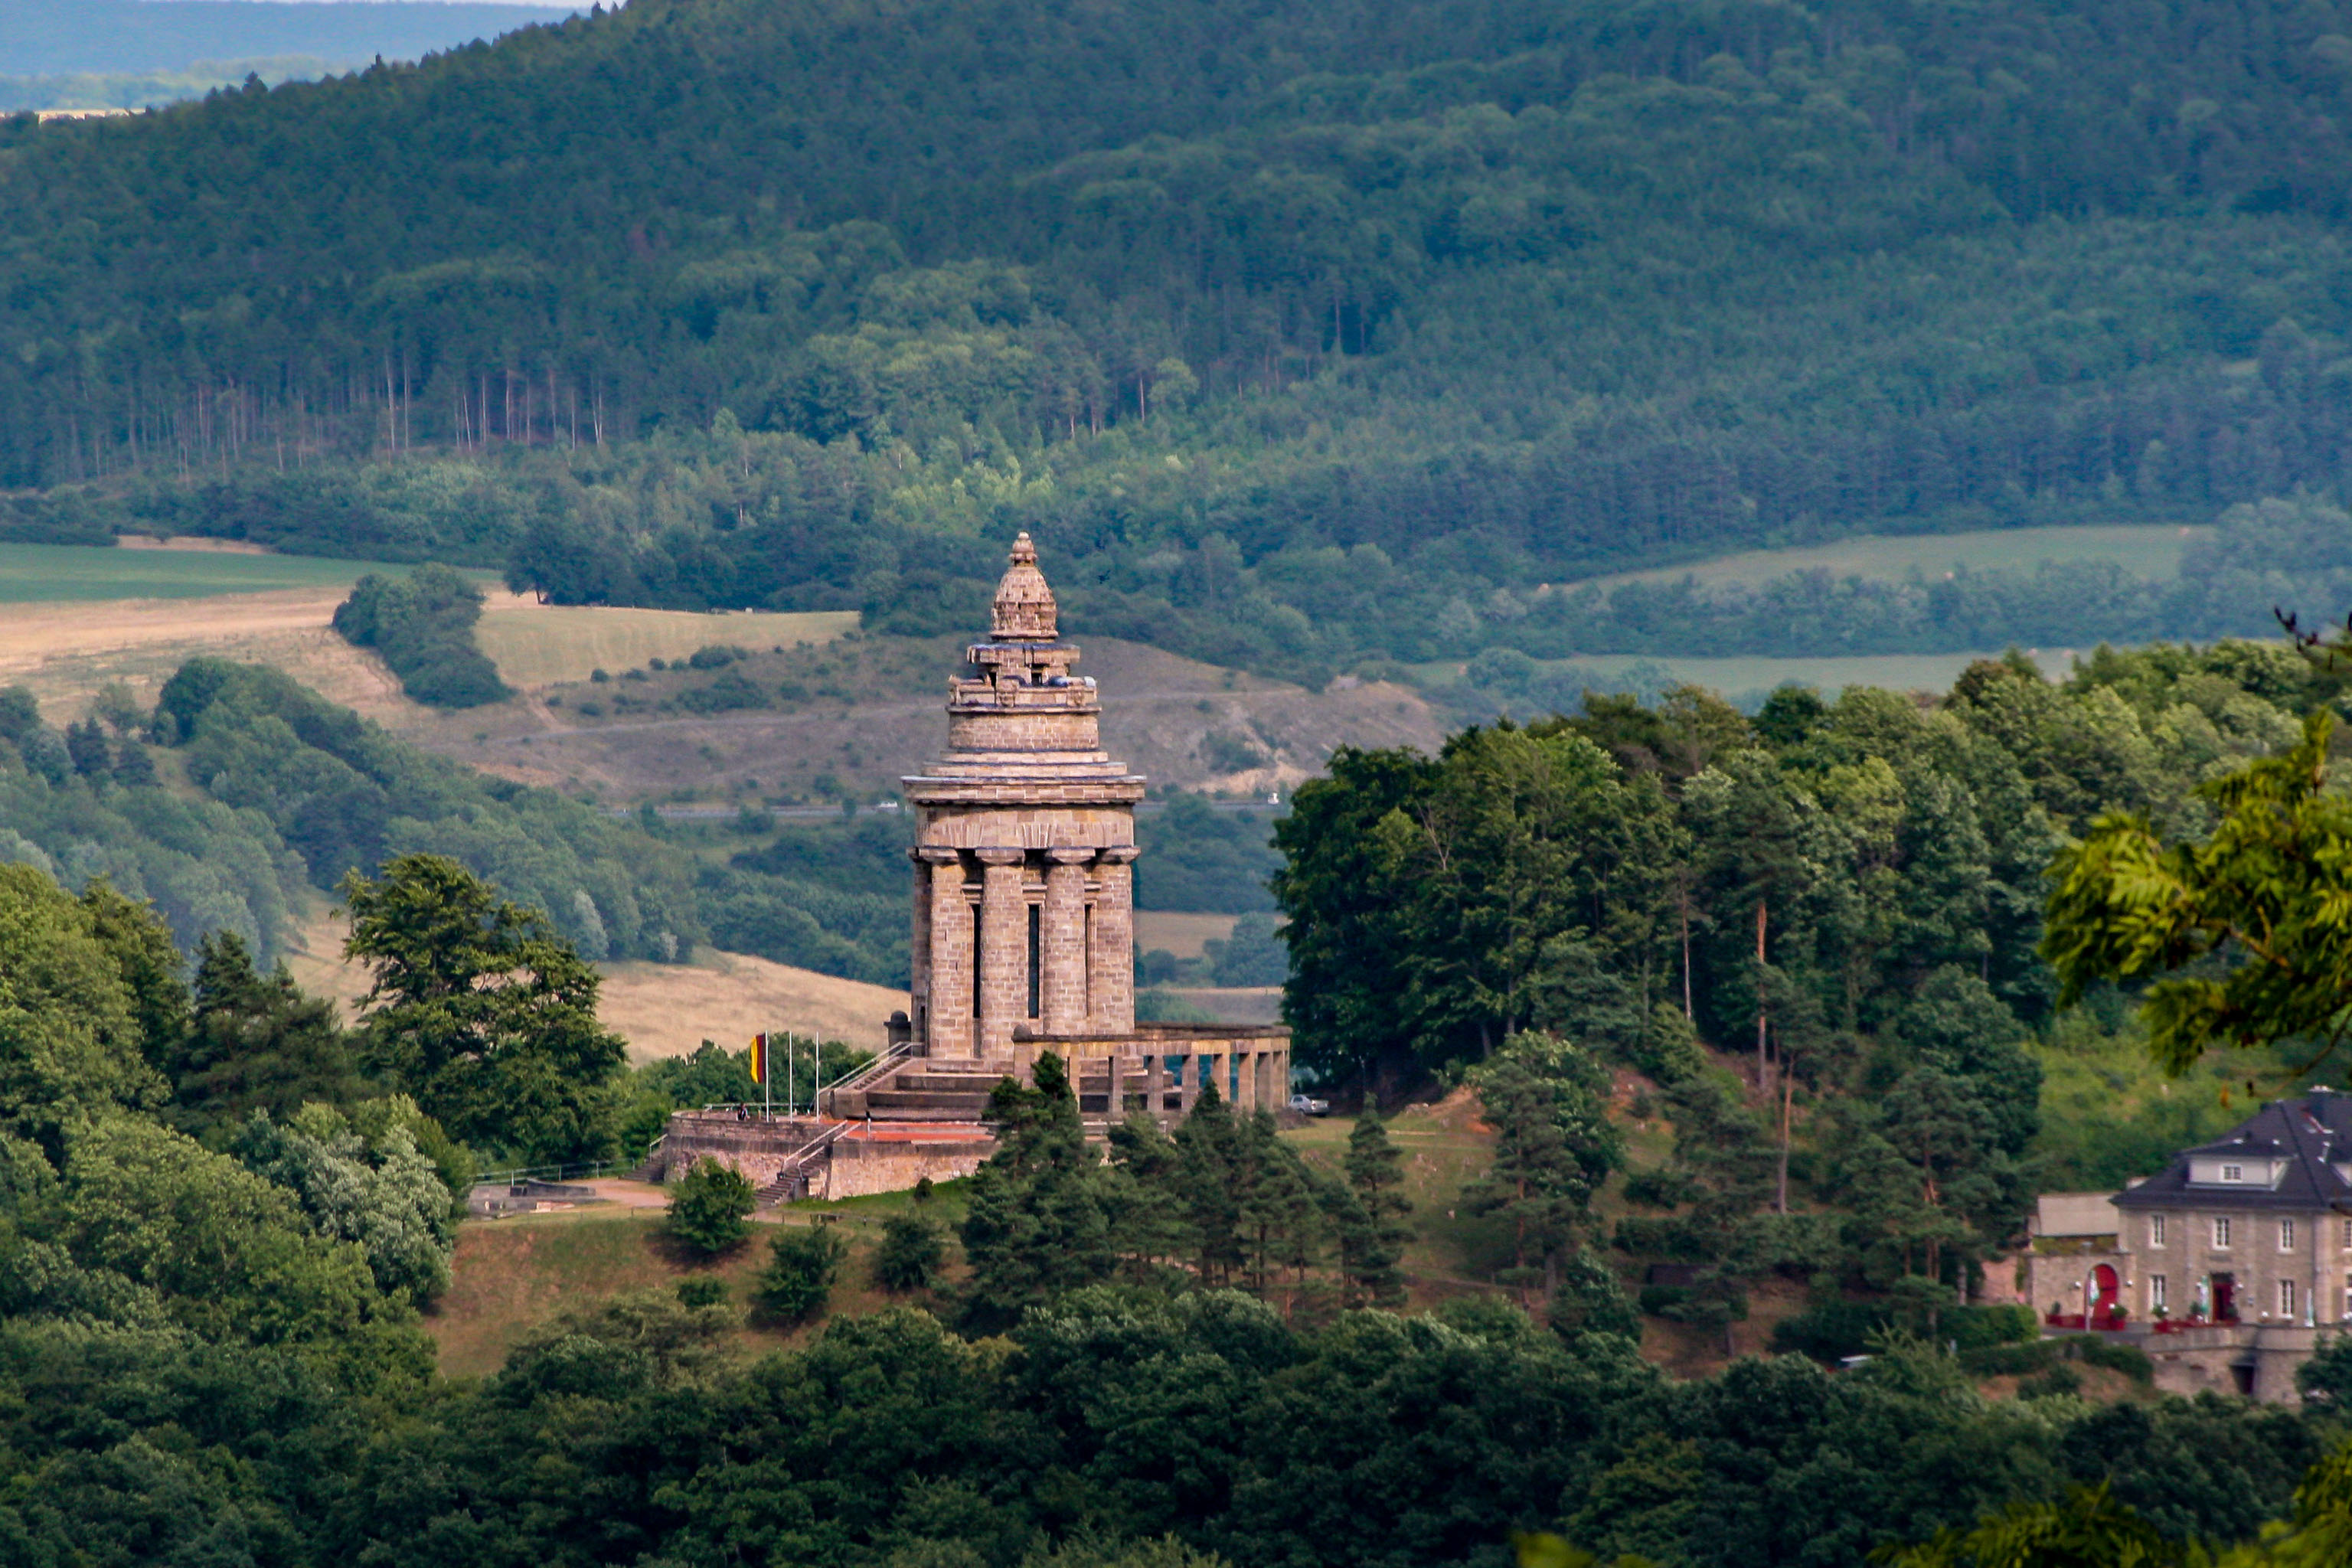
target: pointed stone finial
<point>1024,610</point>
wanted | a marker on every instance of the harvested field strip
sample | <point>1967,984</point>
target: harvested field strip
<point>1178,931</point>
<point>541,645</point>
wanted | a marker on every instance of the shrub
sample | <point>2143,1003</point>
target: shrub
<point>1974,1328</point>
<point>716,656</point>
<point>2129,1360</point>
<point>731,690</point>
<point>711,1211</point>
<point>803,1265</point>
<point>424,629</point>
<point>703,1292</point>
<point>912,1252</point>
<point>1828,1331</point>
<point>2009,1361</point>
<point>2058,1380</point>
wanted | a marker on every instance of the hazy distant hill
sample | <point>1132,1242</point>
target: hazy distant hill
<point>1302,334</point>
<point>56,38</point>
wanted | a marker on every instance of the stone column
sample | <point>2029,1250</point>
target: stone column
<point>918,951</point>
<point>1062,944</point>
<point>1262,1079</point>
<point>1111,1009</point>
<point>1188,1082</point>
<point>947,1022</point>
<point>1003,948</point>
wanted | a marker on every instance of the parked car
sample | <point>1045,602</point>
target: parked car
<point>1308,1105</point>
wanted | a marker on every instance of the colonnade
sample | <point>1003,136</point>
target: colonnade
<point>1009,938</point>
<point>1169,1083</point>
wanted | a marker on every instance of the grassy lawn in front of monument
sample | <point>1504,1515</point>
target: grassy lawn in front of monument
<point>512,1276</point>
<point>1444,1147</point>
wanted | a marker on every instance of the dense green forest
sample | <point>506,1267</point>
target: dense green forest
<point>1849,894</point>
<point>1300,336</point>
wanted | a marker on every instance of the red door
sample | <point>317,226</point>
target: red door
<point>2225,1299</point>
<point>2106,1294</point>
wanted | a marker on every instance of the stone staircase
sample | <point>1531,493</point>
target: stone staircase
<point>935,1090</point>
<point>955,1088</point>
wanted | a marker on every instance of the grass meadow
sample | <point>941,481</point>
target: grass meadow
<point>2149,550</point>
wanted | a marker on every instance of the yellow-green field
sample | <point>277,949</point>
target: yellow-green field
<point>83,574</point>
<point>541,645</point>
<point>2148,550</point>
<point>1183,934</point>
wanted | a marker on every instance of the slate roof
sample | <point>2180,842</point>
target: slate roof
<point>2311,1133</point>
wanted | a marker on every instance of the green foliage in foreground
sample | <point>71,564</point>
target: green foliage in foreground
<point>1203,1417</point>
<point>2090,1529</point>
<point>192,1340</point>
<point>2262,892</point>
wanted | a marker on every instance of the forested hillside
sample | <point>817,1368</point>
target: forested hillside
<point>241,798</point>
<point>1299,335</point>
<point>223,1213</point>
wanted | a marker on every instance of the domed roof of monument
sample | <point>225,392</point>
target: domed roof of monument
<point>1024,604</point>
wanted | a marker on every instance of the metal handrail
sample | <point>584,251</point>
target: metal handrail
<point>575,1171</point>
<point>794,1162</point>
<point>891,1056</point>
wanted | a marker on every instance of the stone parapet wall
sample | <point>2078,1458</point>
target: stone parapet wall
<point>756,1147</point>
<point>858,1168</point>
<point>881,1158</point>
<point>2257,1360</point>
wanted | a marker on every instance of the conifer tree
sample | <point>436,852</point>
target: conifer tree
<point>1371,1241</point>
<point>1038,1221</point>
<point>1554,1147</point>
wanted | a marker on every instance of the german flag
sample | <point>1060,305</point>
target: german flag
<point>760,1058</point>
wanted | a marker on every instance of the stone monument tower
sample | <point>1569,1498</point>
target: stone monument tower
<point>1024,846</point>
<point>1024,944</point>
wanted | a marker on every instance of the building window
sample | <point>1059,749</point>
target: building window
<point>1036,958</point>
<point>2155,1229</point>
<point>2155,1293</point>
<point>2287,1236</point>
<point>2347,1235</point>
<point>2286,1298</point>
<point>2233,1173</point>
<point>2221,1233</point>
